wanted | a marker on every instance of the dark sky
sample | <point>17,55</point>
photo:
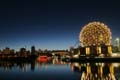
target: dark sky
<point>52,24</point>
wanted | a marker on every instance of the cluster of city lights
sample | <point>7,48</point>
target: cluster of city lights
<point>95,33</point>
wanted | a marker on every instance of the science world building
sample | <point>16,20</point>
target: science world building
<point>95,39</point>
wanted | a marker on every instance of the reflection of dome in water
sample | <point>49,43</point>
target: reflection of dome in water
<point>95,33</point>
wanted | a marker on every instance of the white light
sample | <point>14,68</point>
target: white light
<point>117,39</point>
<point>76,56</point>
<point>116,64</point>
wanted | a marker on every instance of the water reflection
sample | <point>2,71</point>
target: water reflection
<point>25,66</point>
<point>97,71</point>
<point>7,65</point>
<point>57,70</point>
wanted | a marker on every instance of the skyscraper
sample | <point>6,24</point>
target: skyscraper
<point>33,50</point>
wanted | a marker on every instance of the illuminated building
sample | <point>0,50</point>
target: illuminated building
<point>95,38</point>
<point>95,33</point>
<point>6,50</point>
<point>22,52</point>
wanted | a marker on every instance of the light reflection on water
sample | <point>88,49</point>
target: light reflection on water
<point>58,70</point>
<point>97,71</point>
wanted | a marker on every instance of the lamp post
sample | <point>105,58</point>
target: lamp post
<point>118,43</point>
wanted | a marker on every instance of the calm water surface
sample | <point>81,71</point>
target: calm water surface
<point>58,70</point>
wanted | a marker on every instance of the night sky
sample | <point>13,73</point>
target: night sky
<point>52,24</point>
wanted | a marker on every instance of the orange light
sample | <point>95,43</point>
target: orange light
<point>42,59</point>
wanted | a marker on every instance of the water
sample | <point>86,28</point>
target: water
<point>58,70</point>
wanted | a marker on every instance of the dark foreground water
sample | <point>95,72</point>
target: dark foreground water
<point>58,70</point>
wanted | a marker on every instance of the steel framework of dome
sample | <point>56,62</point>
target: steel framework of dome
<point>95,33</point>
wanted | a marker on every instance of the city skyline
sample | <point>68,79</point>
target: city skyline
<point>52,24</point>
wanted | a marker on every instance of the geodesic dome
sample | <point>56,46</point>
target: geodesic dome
<point>95,33</point>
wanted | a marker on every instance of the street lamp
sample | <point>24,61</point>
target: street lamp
<point>118,43</point>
